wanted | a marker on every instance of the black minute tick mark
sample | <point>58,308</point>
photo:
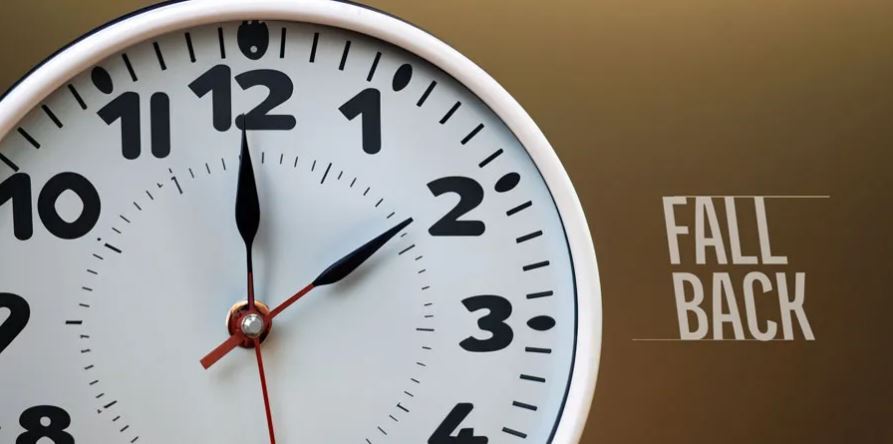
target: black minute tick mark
<point>222,45</point>
<point>129,67</point>
<point>282,44</point>
<point>77,97</point>
<point>325,174</point>
<point>9,163</point>
<point>29,138</point>
<point>473,133</point>
<point>313,47</point>
<point>524,405</point>
<point>449,113</point>
<point>538,350</point>
<point>532,378</point>
<point>540,294</point>
<point>514,432</point>
<point>344,56</point>
<point>374,66</point>
<point>190,48</point>
<point>515,210</point>
<point>426,94</point>
<point>534,266</point>
<point>51,115</point>
<point>159,56</point>
<point>528,237</point>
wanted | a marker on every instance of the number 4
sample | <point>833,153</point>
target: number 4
<point>442,435</point>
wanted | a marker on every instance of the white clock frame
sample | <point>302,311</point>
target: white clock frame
<point>172,16</point>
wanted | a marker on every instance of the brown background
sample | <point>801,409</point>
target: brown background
<point>647,98</point>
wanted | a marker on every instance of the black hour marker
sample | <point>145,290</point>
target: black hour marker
<point>77,96</point>
<point>129,67</point>
<point>29,138</point>
<point>253,38</point>
<point>402,77</point>
<point>515,210</point>
<point>344,56</point>
<point>541,323</point>
<point>51,115</point>
<point>535,266</point>
<point>102,80</point>
<point>406,249</point>
<point>313,47</point>
<point>74,322</point>
<point>159,56</point>
<point>426,93</point>
<point>113,248</point>
<point>374,66</point>
<point>527,237</point>
<point>507,183</point>
<point>190,48</point>
<point>473,133</point>
<point>449,113</point>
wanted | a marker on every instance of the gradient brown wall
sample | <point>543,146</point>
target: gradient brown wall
<point>647,98</point>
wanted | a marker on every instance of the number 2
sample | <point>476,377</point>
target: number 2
<point>471,194</point>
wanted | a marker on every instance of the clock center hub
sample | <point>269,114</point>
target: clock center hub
<point>252,324</point>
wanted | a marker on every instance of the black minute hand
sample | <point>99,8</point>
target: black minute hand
<point>247,210</point>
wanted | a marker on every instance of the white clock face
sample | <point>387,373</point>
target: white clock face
<point>120,256</point>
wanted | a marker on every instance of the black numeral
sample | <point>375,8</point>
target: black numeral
<point>126,108</point>
<point>19,313</point>
<point>218,81</point>
<point>280,89</point>
<point>443,433</point>
<point>18,188</point>
<point>501,334</point>
<point>368,105</point>
<point>57,420</point>
<point>471,194</point>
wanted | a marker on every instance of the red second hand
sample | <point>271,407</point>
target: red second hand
<point>263,387</point>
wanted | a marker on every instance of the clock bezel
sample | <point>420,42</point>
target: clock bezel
<point>171,16</point>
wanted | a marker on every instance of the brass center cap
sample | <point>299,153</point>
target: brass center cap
<point>251,325</point>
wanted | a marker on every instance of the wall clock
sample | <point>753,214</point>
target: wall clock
<point>308,221</point>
